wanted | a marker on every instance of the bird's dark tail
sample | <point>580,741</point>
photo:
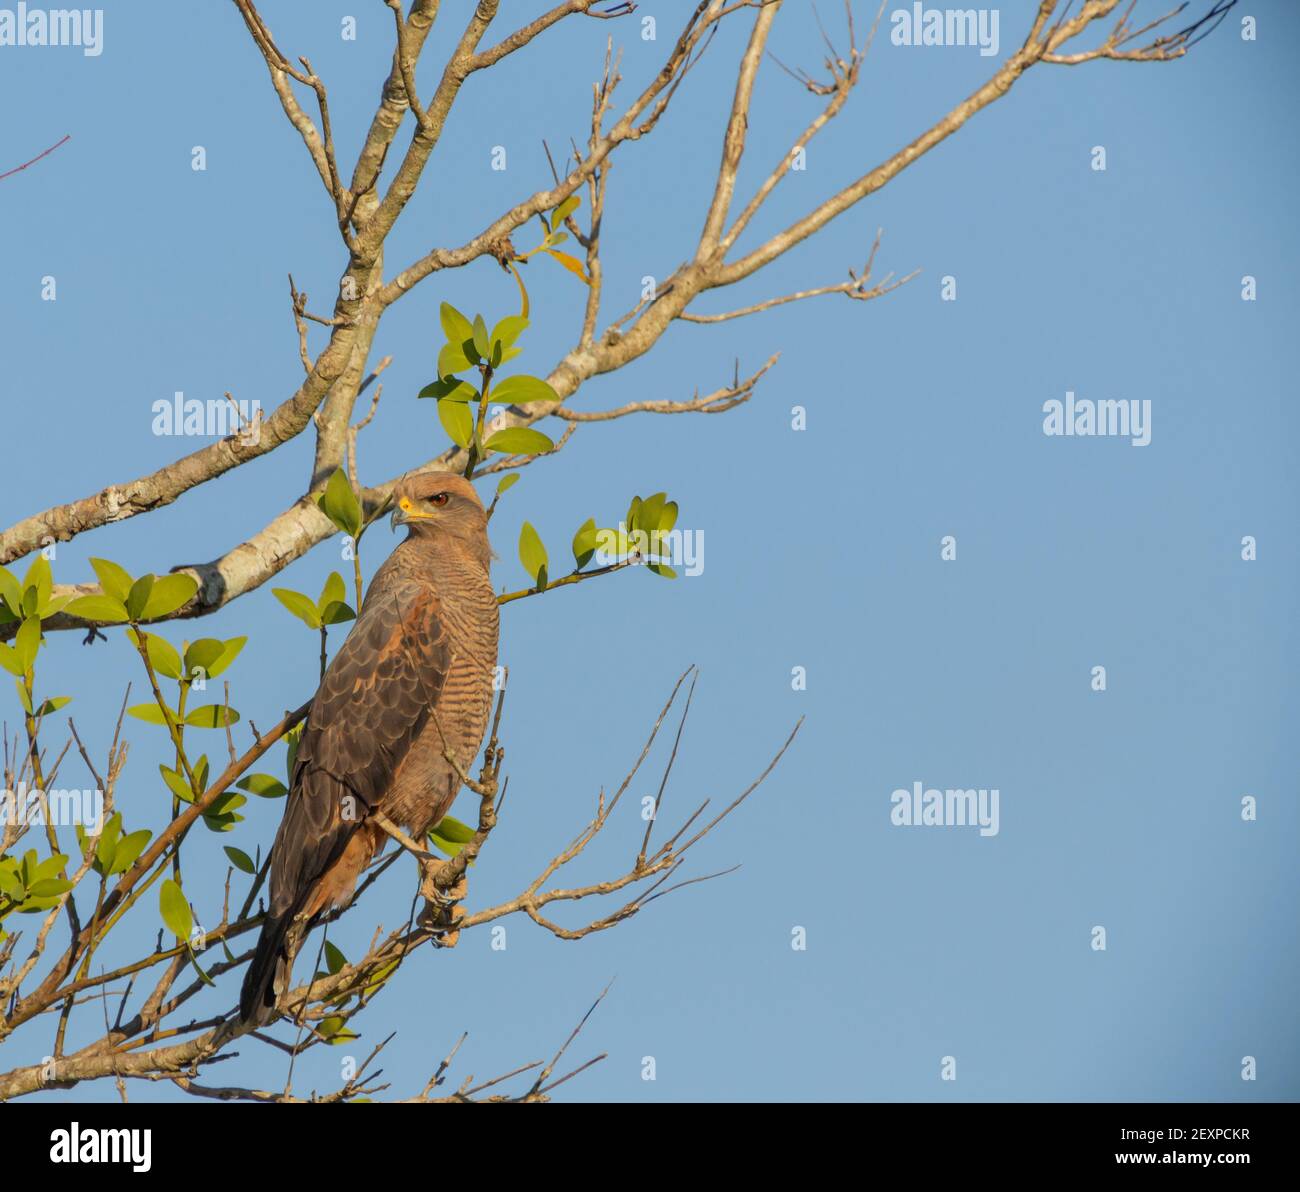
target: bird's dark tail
<point>268,972</point>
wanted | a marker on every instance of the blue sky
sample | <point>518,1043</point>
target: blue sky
<point>822,547</point>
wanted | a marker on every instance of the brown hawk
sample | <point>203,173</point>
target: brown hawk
<point>417,668</point>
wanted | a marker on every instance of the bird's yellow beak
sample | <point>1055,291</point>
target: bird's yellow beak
<point>405,511</point>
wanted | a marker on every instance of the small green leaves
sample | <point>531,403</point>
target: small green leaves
<point>584,542</point>
<point>450,389</point>
<point>240,859</point>
<point>209,656</point>
<point>162,654</point>
<point>115,853</point>
<point>452,360</point>
<point>335,961</point>
<point>97,608</point>
<point>331,608</point>
<point>125,599</point>
<point>19,658</point>
<point>263,785</point>
<point>176,913</point>
<point>519,440</point>
<point>212,716</point>
<point>504,335</point>
<point>138,597</point>
<point>340,504</point>
<point>481,345</point>
<point>220,815</point>
<point>333,604</point>
<point>532,554</point>
<point>455,326</point>
<point>521,389</point>
<point>302,607</point>
<point>333,1030</point>
<point>114,579</point>
<point>507,482</point>
<point>149,713</point>
<point>450,835</point>
<point>169,593</point>
<point>457,421</point>
<point>563,211</point>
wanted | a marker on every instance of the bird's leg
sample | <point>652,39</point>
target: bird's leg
<point>442,910</point>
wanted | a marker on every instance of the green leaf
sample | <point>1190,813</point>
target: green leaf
<point>507,482</point>
<point>176,913</point>
<point>162,654</point>
<point>333,1031</point>
<point>39,580</point>
<point>450,389</point>
<point>24,698</point>
<point>211,716</point>
<point>138,596</point>
<point>128,849</point>
<point>455,326</point>
<point>457,421</point>
<point>335,961</point>
<point>106,846</point>
<point>668,518</point>
<point>302,607</point>
<point>48,887</point>
<point>9,660</point>
<point>53,705</point>
<point>520,390</point>
<point>519,440</point>
<point>452,360</point>
<point>450,828</point>
<point>564,210</point>
<point>263,785</point>
<point>211,656</point>
<point>169,593</point>
<point>11,592</point>
<point>584,542</point>
<point>177,783</point>
<point>339,503</point>
<point>97,608</point>
<point>115,580</point>
<point>27,641</point>
<point>481,344</point>
<point>662,569</point>
<point>334,591</point>
<point>149,713</point>
<point>240,859</point>
<point>532,554</point>
<point>336,613</point>
<point>507,331</point>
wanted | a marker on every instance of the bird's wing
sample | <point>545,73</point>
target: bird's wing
<point>372,703</point>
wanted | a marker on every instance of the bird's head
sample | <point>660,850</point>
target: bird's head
<point>441,505</point>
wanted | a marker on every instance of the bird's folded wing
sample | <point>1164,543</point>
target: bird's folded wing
<point>375,698</point>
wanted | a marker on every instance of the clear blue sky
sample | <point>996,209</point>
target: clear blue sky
<point>1119,809</point>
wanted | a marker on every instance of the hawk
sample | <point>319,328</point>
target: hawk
<point>415,671</point>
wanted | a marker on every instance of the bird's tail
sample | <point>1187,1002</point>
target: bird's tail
<point>268,972</point>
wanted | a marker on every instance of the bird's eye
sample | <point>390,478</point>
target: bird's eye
<point>439,499</point>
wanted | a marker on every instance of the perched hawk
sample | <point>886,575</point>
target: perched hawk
<point>417,666</point>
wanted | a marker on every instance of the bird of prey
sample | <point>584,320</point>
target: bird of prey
<point>412,682</point>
